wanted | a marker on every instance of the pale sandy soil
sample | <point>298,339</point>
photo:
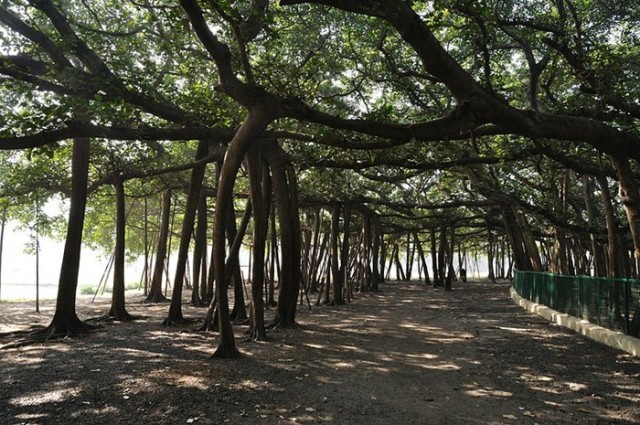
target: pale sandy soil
<point>409,354</point>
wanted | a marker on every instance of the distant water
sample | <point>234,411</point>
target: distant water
<point>27,291</point>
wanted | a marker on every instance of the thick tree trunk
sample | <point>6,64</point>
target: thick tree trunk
<point>65,321</point>
<point>630,198</point>
<point>528,240</point>
<point>255,123</point>
<point>155,291</point>
<point>118,310</point>
<point>193,197</point>
<point>286,206</point>
<point>523,262</point>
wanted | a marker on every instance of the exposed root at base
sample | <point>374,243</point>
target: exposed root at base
<point>221,353</point>
<point>52,332</point>
<point>253,336</point>
<point>177,322</point>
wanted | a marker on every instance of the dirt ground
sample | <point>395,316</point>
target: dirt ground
<point>409,354</point>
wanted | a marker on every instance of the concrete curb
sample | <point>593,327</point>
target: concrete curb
<point>605,336</point>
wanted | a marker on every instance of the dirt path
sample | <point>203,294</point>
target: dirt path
<point>409,354</point>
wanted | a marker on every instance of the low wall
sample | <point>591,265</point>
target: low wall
<point>605,336</point>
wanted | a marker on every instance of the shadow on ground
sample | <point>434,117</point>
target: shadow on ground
<point>409,354</point>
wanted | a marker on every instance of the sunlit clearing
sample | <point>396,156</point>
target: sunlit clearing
<point>488,392</point>
<point>317,346</point>
<point>27,416</point>
<point>441,366</point>
<point>343,365</point>
<point>189,381</point>
<point>351,348</point>
<point>254,385</point>
<point>45,396</point>
<point>530,377</point>
<point>427,356</point>
<point>575,386</point>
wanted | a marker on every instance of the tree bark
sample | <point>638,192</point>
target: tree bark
<point>65,321</point>
<point>630,198</point>
<point>437,279</point>
<point>335,266</point>
<point>155,291</point>
<point>423,259</point>
<point>344,252</point>
<point>254,124</point>
<point>199,251</point>
<point>259,184</point>
<point>195,186</point>
<point>239,310</point>
<point>599,268</point>
<point>284,187</point>
<point>118,310</point>
<point>375,257</point>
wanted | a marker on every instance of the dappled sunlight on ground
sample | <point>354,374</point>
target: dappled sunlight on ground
<point>410,354</point>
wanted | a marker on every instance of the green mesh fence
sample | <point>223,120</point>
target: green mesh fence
<point>610,303</point>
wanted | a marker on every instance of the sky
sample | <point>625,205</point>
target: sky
<point>19,267</point>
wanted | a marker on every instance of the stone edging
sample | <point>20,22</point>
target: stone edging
<point>598,333</point>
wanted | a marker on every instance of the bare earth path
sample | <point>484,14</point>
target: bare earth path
<point>409,354</point>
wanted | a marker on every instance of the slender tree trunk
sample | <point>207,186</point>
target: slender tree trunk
<point>259,184</point>
<point>2,227</point>
<point>375,254</point>
<point>434,258</point>
<point>366,253</point>
<point>211,322</point>
<point>273,269</point>
<point>155,291</point>
<point>316,251</point>
<point>65,321</point>
<point>239,311</point>
<point>145,272</point>
<point>423,259</point>
<point>335,266</point>
<point>492,274</point>
<point>199,249</point>
<point>442,251</point>
<point>344,253</point>
<point>118,310</point>
<point>193,197</point>
<point>599,268</point>
<point>613,258</point>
